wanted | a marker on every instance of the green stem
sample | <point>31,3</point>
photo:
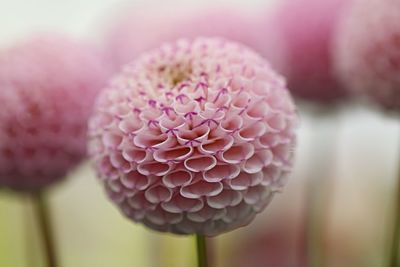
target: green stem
<point>42,215</point>
<point>201,251</point>
<point>394,251</point>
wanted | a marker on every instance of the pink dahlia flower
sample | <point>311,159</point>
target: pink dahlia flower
<point>195,137</point>
<point>368,51</point>
<point>141,29</point>
<point>48,84</point>
<point>307,28</point>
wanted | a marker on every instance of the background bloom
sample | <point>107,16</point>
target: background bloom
<point>142,28</point>
<point>307,28</point>
<point>48,84</point>
<point>368,51</point>
<point>195,137</point>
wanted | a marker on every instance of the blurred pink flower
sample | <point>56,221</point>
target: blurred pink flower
<point>48,84</point>
<point>307,28</point>
<point>195,137</point>
<point>368,51</point>
<point>140,29</point>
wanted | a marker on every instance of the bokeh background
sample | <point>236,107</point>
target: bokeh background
<point>354,148</point>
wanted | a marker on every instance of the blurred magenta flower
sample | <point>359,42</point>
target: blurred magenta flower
<point>368,51</point>
<point>307,28</point>
<point>194,137</point>
<point>140,29</point>
<point>48,84</point>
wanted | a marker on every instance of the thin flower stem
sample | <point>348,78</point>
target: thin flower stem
<point>30,255</point>
<point>42,215</point>
<point>394,251</point>
<point>201,251</point>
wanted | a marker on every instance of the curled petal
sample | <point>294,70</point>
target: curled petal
<point>251,132</point>
<point>179,204</point>
<point>276,123</point>
<point>112,139</point>
<point>121,110</point>
<point>238,212</point>
<point>155,168</point>
<point>178,153</point>
<point>205,214</point>
<point>193,137</point>
<point>157,194</point>
<point>271,174</point>
<point>120,163</point>
<point>221,172</point>
<point>258,110</point>
<point>200,189</point>
<point>258,161</point>
<point>130,124</point>
<point>114,186</point>
<point>269,140</point>
<point>256,194</point>
<point>282,152</point>
<point>238,153</point>
<point>237,83</point>
<point>135,180</point>
<point>146,140</point>
<point>245,180</point>
<point>103,120</point>
<point>187,108</point>
<point>278,100</point>
<point>231,124</point>
<point>161,217</point>
<point>260,88</point>
<point>240,103</point>
<point>177,178</point>
<point>247,120</point>
<point>139,202</point>
<point>220,99</point>
<point>134,154</point>
<point>211,116</point>
<point>104,166</point>
<point>116,196</point>
<point>169,125</point>
<point>200,163</point>
<point>224,199</point>
<point>215,145</point>
<point>150,115</point>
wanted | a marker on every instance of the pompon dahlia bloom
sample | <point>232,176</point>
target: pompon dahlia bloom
<point>368,51</point>
<point>47,88</point>
<point>140,29</point>
<point>307,28</point>
<point>195,137</point>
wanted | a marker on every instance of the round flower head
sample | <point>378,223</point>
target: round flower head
<point>195,137</point>
<point>47,88</point>
<point>141,29</point>
<point>307,28</point>
<point>368,51</point>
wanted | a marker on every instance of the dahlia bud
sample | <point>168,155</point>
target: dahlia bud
<point>48,85</point>
<point>307,28</point>
<point>195,137</point>
<point>141,29</point>
<point>368,51</point>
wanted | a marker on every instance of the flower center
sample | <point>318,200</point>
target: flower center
<point>176,73</point>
